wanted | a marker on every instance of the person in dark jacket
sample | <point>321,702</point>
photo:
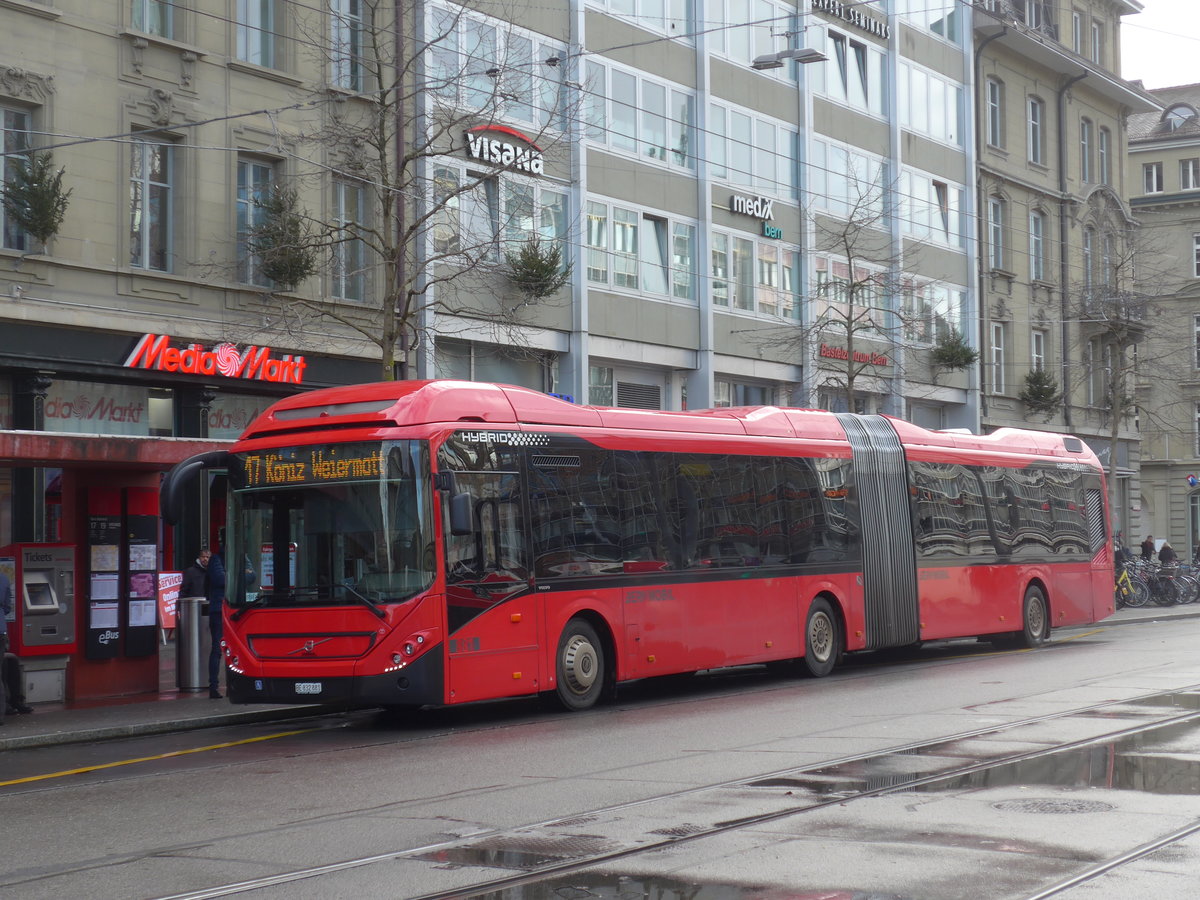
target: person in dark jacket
<point>215,593</point>
<point>195,577</point>
<point>1167,555</point>
<point>1148,547</point>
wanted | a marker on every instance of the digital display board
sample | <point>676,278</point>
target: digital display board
<point>312,465</point>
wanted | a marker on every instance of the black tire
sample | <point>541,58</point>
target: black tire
<point>822,639</point>
<point>580,665</point>
<point>1140,593</point>
<point>1035,615</point>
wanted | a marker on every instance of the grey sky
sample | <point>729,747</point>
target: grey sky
<point>1161,45</point>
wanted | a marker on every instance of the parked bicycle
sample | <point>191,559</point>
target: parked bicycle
<point>1131,588</point>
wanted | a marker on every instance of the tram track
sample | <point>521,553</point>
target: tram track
<point>545,852</point>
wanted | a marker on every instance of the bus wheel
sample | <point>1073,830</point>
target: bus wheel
<point>580,665</point>
<point>822,639</point>
<point>1036,616</point>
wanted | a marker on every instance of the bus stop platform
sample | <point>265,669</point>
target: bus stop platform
<point>172,710</point>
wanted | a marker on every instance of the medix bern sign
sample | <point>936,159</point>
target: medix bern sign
<point>524,158</point>
<point>153,351</point>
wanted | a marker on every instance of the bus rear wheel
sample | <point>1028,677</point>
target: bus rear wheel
<point>822,639</point>
<point>1036,618</point>
<point>580,666</point>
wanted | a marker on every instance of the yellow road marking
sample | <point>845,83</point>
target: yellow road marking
<point>143,759</point>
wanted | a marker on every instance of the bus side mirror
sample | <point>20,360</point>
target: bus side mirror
<point>462,509</point>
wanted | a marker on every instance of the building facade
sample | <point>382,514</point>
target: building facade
<point>1058,237</point>
<point>751,201</point>
<point>1164,174</point>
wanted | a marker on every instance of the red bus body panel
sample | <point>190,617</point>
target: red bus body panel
<point>655,627</point>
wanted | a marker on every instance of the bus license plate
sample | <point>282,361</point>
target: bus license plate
<point>308,687</point>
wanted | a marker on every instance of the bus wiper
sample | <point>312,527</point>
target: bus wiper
<point>366,601</point>
<point>260,600</point>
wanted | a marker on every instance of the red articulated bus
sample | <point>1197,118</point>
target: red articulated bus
<point>441,542</point>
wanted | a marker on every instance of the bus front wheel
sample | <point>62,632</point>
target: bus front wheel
<point>822,639</point>
<point>580,666</point>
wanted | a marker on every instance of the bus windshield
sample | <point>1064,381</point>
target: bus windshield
<point>336,524</point>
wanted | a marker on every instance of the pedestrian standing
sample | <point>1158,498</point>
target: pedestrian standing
<point>12,678</point>
<point>195,576</point>
<point>1148,547</point>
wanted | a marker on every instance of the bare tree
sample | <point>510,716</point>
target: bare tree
<point>1118,305</point>
<point>867,311</point>
<point>412,92</point>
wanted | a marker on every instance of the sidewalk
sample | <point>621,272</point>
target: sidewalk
<point>172,710</point>
<point>168,710</point>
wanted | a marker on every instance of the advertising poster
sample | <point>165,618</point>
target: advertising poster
<point>169,584</point>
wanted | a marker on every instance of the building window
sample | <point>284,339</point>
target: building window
<point>674,18</point>
<point>600,386</point>
<point>154,17</point>
<point>14,141</point>
<point>254,184</point>
<point>996,352</point>
<point>1152,178</point>
<point>930,104</point>
<point>932,311</point>
<point>1193,499</point>
<point>745,29</point>
<point>1037,245</point>
<point>1196,255</point>
<point>996,224</point>
<point>1085,150</point>
<point>631,113</point>
<point>995,112</point>
<point>1089,256</point>
<point>1196,341</point>
<point>151,177</point>
<point>641,251</point>
<point>1097,43</point>
<point>1037,345</point>
<point>1189,174</point>
<point>350,253</point>
<point>942,17</point>
<point>346,43</point>
<point>1104,156</point>
<point>842,179</point>
<point>464,48</point>
<point>753,276</point>
<point>1037,129</point>
<point>1077,32</point>
<point>256,32</point>
<point>931,209</point>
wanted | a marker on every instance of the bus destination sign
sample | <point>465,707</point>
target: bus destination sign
<point>312,465</point>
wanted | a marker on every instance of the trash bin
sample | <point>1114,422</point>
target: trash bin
<point>192,643</point>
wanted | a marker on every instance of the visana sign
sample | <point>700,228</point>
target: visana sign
<point>523,157</point>
<point>153,351</point>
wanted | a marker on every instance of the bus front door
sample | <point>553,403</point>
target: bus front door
<point>491,610</point>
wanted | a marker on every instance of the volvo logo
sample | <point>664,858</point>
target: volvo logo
<point>308,647</point>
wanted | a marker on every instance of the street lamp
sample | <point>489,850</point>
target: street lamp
<point>801,55</point>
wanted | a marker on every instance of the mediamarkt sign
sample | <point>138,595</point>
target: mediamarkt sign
<point>153,351</point>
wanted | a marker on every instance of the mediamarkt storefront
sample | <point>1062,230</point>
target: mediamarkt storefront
<point>88,423</point>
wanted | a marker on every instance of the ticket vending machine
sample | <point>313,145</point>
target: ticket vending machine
<point>44,631</point>
<point>44,591</point>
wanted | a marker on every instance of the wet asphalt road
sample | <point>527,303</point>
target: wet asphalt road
<point>1071,771</point>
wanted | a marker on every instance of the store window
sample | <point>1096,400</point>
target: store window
<point>230,415</point>
<point>93,408</point>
